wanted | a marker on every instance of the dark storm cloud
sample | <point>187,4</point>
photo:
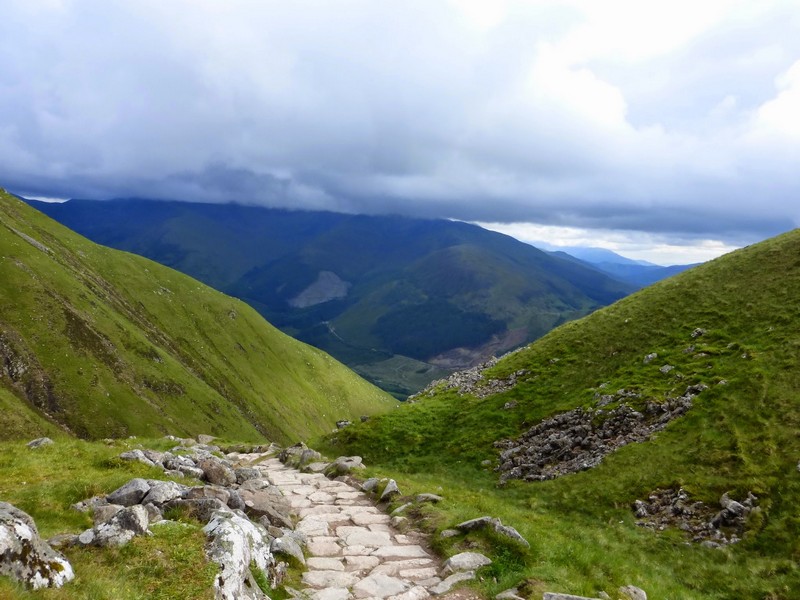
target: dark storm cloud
<point>682,118</point>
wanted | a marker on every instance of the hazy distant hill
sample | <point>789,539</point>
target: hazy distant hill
<point>639,273</point>
<point>720,342</point>
<point>401,300</point>
<point>105,343</point>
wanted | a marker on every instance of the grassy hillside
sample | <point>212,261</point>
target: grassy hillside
<point>435,292</point>
<point>740,436</point>
<point>107,344</point>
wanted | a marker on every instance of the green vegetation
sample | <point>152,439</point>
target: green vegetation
<point>102,343</point>
<point>44,483</point>
<point>416,288</point>
<point>741,435</point>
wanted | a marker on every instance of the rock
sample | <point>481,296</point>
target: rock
<point>154,514</point>
<point>236,501</point>
<point>445,586</point>
<point>267,503</point>
<point>26,557</point>
<point>217,473</point>
<point>556,596</point>
<point>105,512</point>
<point>89,504</point>
<point>379,586</point>
<point>288,546</point>
<point>510,405</point>
<point>479,523</point>
<point>245,473</point>
<point>343,465</point>
<point>204,439</point>
<point>299,455</point>
<point>429,498</point>
<point>162,492</point>
<point>512,534</point>
<point>129,494</point>
<point>119,530</point>
<point>364,418</point>
<point>510,594</point>
<point>650,357</point>
<point>732,505</point>
<point>371,484</point>
<point>235,544</point>
<point>191,472</point>
<point>315,467</point>
<point>401,509</point>
<point>466,561</point>
<point>137,456</point>
<point>666,369</point>
<point>39,442</point>
<point>632,592</point>
<point>698,332</point>
<point>448,533</point>
<point>63,540</point>
<point>208,491</point>
<point>343,424</point>
<point>390,491</point>
<point>398,522</point>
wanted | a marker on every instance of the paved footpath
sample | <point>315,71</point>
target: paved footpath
<point>354,551</point>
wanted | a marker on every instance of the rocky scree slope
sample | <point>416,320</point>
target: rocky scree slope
<point>98,342</point>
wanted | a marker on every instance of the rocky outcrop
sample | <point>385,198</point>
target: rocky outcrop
<point>703,524</point>
<point>473,381</point>
<point>235,544</point>
<point>579,439</point>
<point>24,556</point>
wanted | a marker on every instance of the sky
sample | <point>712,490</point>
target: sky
<point>666,131</point>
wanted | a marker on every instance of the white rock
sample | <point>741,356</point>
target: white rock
<point>446,585</point>
<point>379,586</point>
<point>466,561</point>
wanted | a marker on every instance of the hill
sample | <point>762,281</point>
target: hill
<point>402,301</point>
<point>103,343</point>
<point>683,393</point>
<point>638,273</point>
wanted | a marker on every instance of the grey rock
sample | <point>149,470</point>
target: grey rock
<point>398,522</point>
<point>698,332</point>
<point>129,494</point>
<point>666,369</point>
<point>315,467</point>
<point>632,592</point>
<point>105,512</point>
<point>214,471</point>
<point>448,533</point>
<point>510,594</point>
<point>512,534</point>
<point>364,418</point>
<point>401,509</point>
<point>390,491</point>
<point>204,439</point>
<point>89,504</point>
<point>289,546</point>
<point>245,473</point>
<point>343,424</point>
<point>371,484</point>
<point>510,405</point>
<point>175,462</point>
<point>137,456</point>
<point>433,498</point>
<point>650,357</point>
<point>479,523</point>
<point>195,472</point>
<point>156,457</point>
<point>344,465</point>
<point>208,491</point>
<point>154,514</point>
<point>27,558</point>
<point>120,529</point>
<point>379,585</point>
<point>299,455</point>
<point>465,561</point>
<point>39,442</point>
<point>445,586</point>
<point>236,543</point>
<point>235,501</point>
<point>63,540</point>
<point>162,492</point>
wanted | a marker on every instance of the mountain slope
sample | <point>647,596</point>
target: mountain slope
<point>401,300</point>
<point>106,343</point>
<point>733,325</point>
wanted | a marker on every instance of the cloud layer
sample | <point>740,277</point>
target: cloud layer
<point>670,118</point>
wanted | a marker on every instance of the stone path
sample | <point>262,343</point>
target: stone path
<point>353,550</point>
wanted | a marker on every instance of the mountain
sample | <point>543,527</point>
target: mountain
<point>638,273</point>
<point>616,443</point>
<point>402,301</point>
<point>103,343</point>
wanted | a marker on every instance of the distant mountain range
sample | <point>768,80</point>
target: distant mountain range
<point>401,300</point>
<point>639,273</point>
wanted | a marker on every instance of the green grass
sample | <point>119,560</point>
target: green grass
<point>741,435</point>
<point>105,343</point>
<point>44,483</point>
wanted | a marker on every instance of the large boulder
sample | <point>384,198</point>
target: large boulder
<point>119,530</point>
<point>162,492</point>
<point>129,494</point>
<point>217,473</point>
<point>236,543</point>
<point>26,557</point>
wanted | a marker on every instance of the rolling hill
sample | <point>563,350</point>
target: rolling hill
<point>102,343</point>
<point>402,301</point>
<point>684,391</point>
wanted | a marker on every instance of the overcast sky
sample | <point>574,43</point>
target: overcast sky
<point>668,131</point>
